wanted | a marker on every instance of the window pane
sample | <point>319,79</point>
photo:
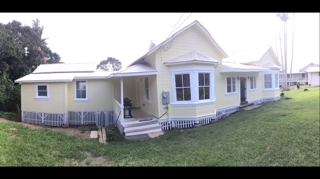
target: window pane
<point>42,93</point>
<point>201,93</point>
<point>207,79</point>
<point>228,81</point>
<point>147,93</point>
<point>186,80</point>
<point>233,88</point>
<point>207,93</point>
<point>187,94</point>
<point>233,81</point>
<point>81,94</point>
<point>201,80</point>
<point>179,94</point>
<point>229,88</point>
<point>42,87</point>
<point>146,82</point>
<point>178,81</point>
<point>81,85</point>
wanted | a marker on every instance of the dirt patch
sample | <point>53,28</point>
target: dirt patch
<point>94,161</point>
<point>79,131</point>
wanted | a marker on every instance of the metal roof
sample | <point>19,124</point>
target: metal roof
<point>314,69</point>
<point>191,57</point>
<point>62,77</point>
<point>66,67</point>
<point>248,56</point>
<point>236,67</point>
<point>136,70</point>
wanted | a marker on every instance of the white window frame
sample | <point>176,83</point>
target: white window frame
<point>204,85</point>
<point>273,74</point>
<point>193,70</point>
<point>145,90</point>
<point>75,91</point>
<point>36,91</point>
<point>253,83</point>
<point>235,85</point>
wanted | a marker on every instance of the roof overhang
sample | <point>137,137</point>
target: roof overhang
<point>142,69</point>
<point>235,67</point>
<point>190,62</point>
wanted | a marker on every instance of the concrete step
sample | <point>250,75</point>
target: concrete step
<point>143,132</point>
<point>138,123</point>
<point>142,128</point>
<point>245,105</point>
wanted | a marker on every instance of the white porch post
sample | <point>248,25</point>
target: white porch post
<point>121,102</point>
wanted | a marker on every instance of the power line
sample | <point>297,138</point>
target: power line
<point>174,26</point>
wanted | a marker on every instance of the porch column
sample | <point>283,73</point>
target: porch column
<point>121,89</point>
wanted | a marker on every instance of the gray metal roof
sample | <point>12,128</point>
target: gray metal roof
<point>236,67</point>
<point>136,70</point>
<point>191,57</point>
<point>248,56</point>
<point>66,67</point>
<point>314,69</point>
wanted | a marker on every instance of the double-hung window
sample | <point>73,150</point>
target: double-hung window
<point>81,90</point>
<point>231,84</point>
<point>204,86</point>
<point>42,91</point>
<point>253,82</point>
<point>183,92</point>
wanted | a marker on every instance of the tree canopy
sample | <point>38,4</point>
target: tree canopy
<point>111,64</point>
<point>22,49</point>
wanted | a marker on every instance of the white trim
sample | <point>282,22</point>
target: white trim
<point>189,62</point>
<point>144,87</point>
<point>273,86</point>
<point>42,81</point>
<point>36,91</point>
<point>194,103</point>
<point>75,91</point>
<point>132,74</point>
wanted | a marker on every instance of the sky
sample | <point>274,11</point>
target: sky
<point>93,37</point>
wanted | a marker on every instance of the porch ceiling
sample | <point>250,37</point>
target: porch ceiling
<point>141,69</point>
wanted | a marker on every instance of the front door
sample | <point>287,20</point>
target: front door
<point>243,90</point>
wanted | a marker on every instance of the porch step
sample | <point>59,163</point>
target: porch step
<point>245,105</point>
<point>138,123</point>
<point>142,128</point>
<point>144,132</point>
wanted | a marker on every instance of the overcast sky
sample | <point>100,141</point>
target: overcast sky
<point>92,37</point>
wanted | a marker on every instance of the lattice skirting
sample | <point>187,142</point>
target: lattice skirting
<point>182,123</point>
<point>50,119</point>
<point>100,118</point>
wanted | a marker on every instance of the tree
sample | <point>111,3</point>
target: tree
<point>14,38</point>
<point>284,17</point>
<point>111,64</point>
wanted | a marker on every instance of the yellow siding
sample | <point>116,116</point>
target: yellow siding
<point>129,89</point>
<point>222,99</point>
<point>100,96</point>
<point>188,41</point>
<point>56,102</point>
<point>255,94</point>
<point>152,107</point>
<point>272,93</point>
<point>268,57</point>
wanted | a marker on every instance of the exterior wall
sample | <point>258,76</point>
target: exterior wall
<point>152,106</point>
<point>100,96</point>
<point>56,103</point>
<point>314,78</point>
<point>268,57</point>
<point>129,89</point>
<point>188,41</point>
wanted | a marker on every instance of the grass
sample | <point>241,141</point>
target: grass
<point>282,133</point>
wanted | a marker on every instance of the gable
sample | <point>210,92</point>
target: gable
<point>188,41</point>
<point>269,60</point>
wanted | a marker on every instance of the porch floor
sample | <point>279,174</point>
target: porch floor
<point>137,115</point>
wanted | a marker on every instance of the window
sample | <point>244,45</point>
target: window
<point>183,87</point>
<point>204,86</point>
<point>146,89</point>
<point>303,75</point>
<point>231,85</point>
<point>276,80</point>
<point>267,81</point>
<point>253,82</point>
<point>42,91</point>
<point>81,92</point>
<point>319,73</point>
<point>271,80</point>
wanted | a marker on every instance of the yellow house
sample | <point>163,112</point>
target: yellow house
<point>185,80</point>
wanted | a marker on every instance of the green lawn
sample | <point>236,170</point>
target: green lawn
<point>282,133</point>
